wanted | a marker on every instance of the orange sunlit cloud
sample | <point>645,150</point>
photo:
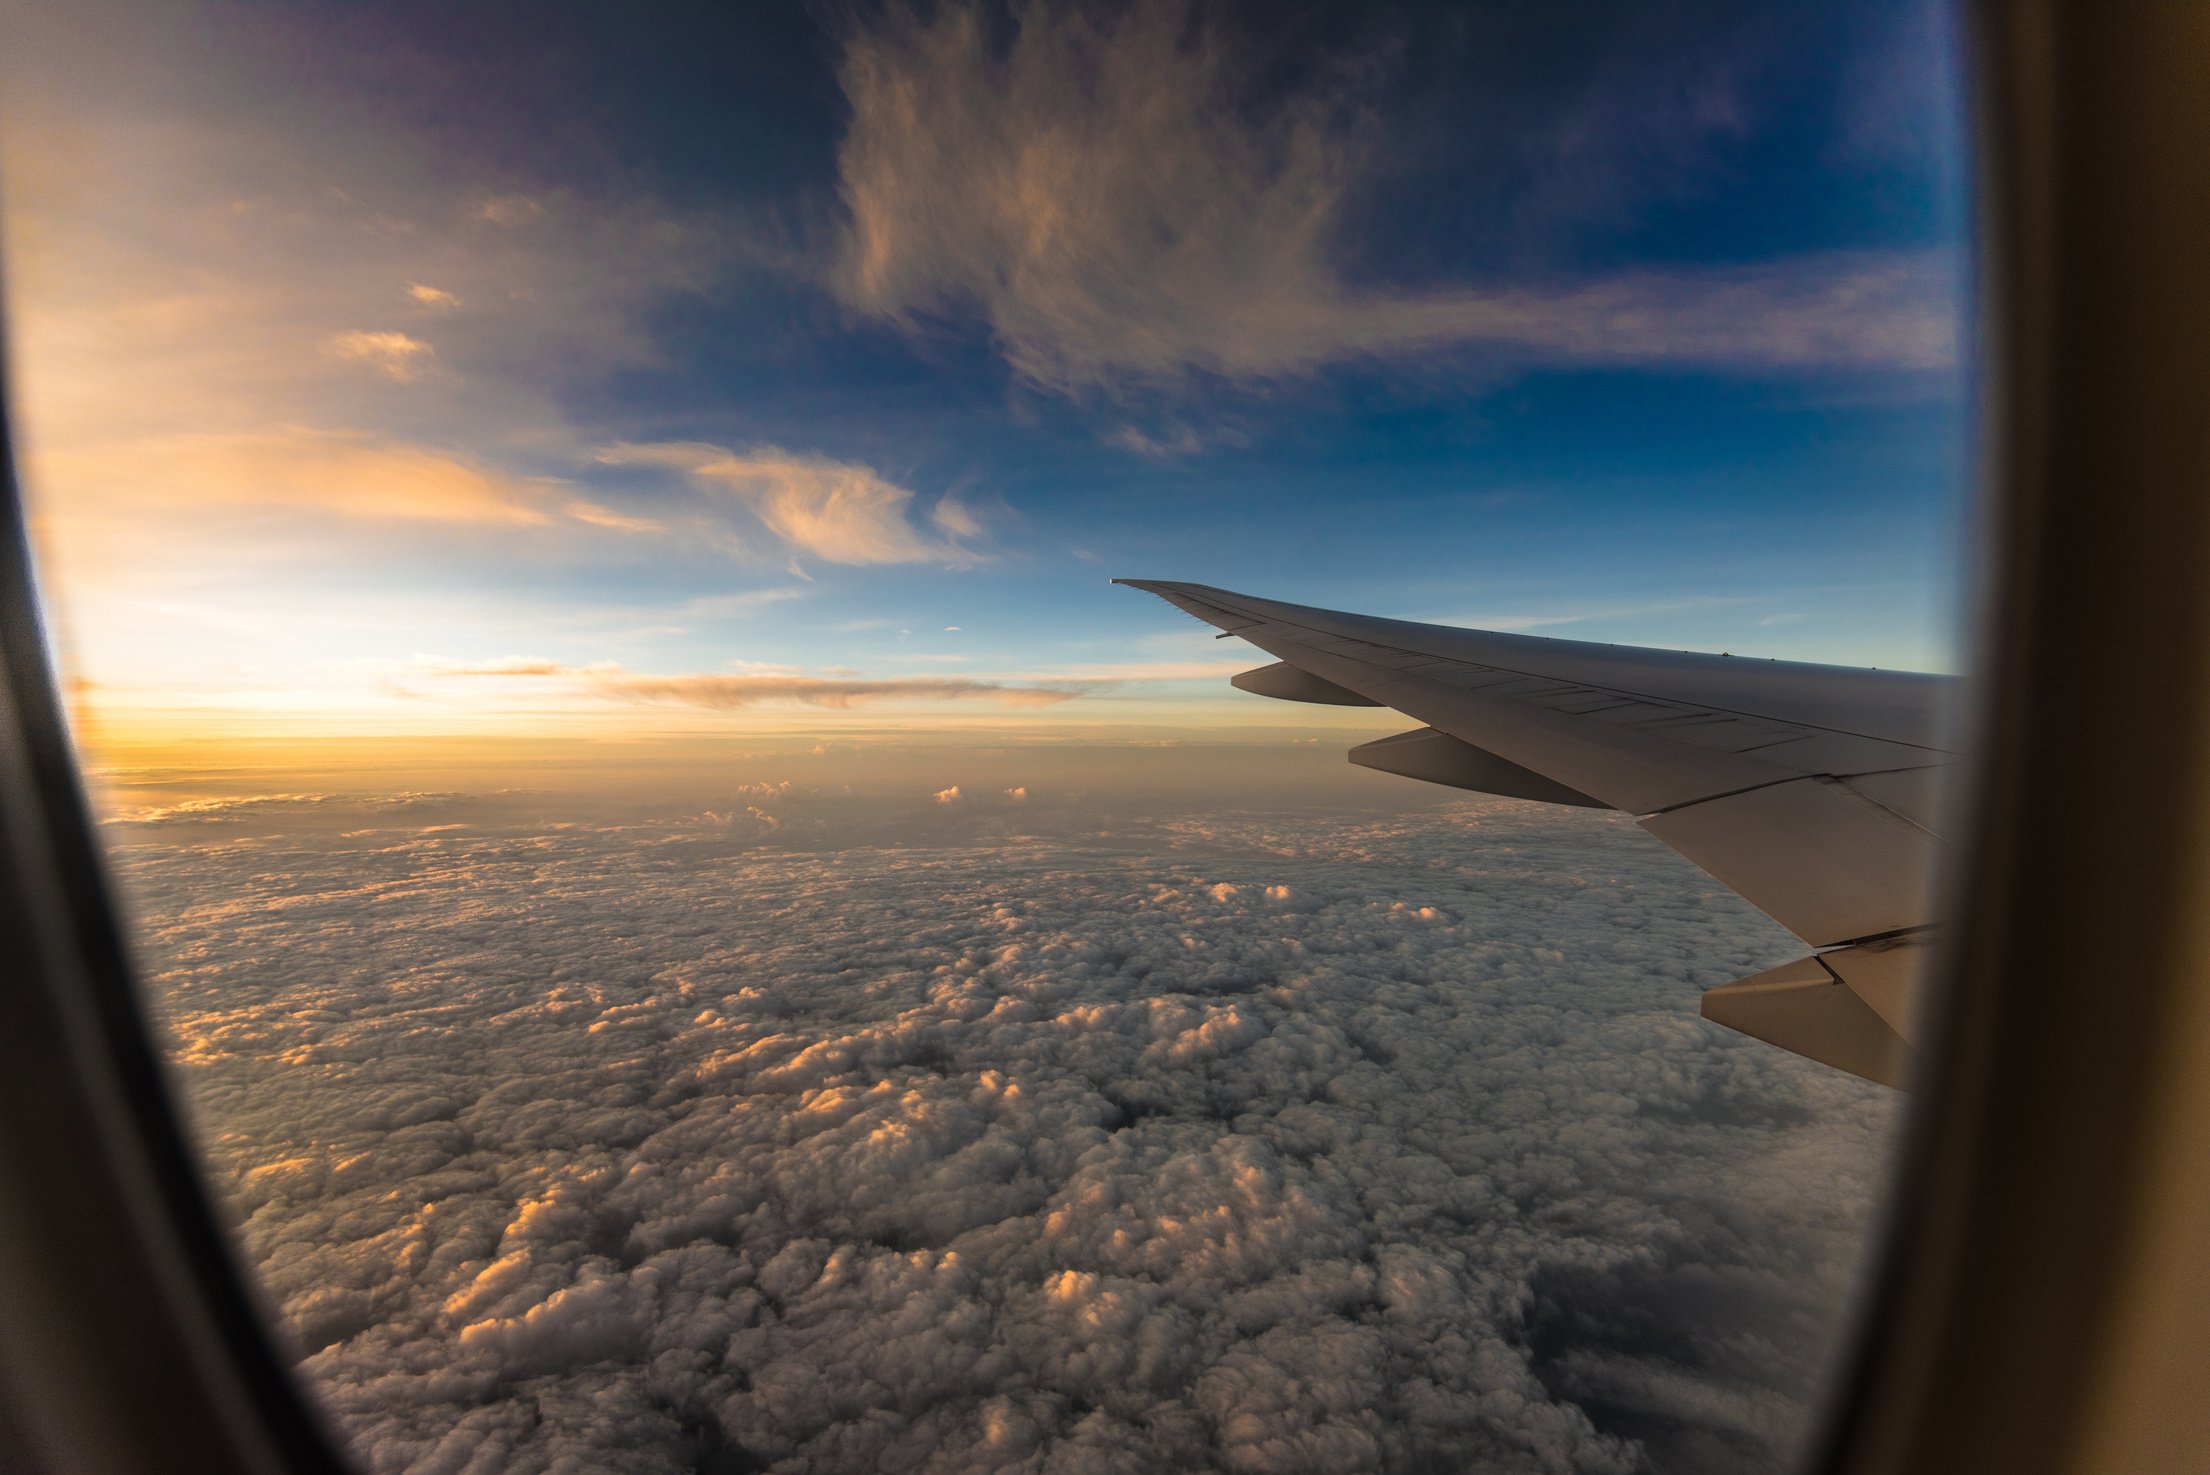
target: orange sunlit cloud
<point>216,404</point>
<point>337,473</point>
<point>835,510</point>
<point>395,355</point>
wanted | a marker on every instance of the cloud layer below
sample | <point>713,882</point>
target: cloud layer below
<point>714,1142</point>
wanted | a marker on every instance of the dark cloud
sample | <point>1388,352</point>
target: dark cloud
<point>1247,1145</point>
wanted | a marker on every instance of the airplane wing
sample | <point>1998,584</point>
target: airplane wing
<point>1814,791</point>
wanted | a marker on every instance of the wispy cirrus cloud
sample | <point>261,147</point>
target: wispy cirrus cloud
<point>839,511</point>
<point>733,691</point>
<point>507,211</point>
<point>730,693</point>
<point>242,337</point>
<point>1103,192</point>
<point>509,666</point>
<point>308,472</point>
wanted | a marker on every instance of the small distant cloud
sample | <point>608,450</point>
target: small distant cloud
<point>507,666</point>
<point>731,692</point>
<point>1180,442</point>
<point>718,606</point>
<point>1018,793</point>
<point>952,630</point>
<point>835,510</point>
<point>433,297</point>
<point>394,354</point>
<point>955,517</point>
<point>607,517</point>
<point>950,795</point>
<point>507,211</point>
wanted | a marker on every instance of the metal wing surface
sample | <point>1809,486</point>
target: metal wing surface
<point>1813,791</point>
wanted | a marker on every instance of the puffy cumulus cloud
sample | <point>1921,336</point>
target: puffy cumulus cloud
<point>836,510</point>
<point>1330,1145</point>
<point>1114,193</point>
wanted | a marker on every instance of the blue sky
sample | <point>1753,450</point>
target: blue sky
<point>426,364</point>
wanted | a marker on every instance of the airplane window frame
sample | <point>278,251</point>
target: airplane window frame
<point>2024,1316</point>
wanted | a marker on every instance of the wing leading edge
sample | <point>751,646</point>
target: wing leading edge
<point>1813,791</point>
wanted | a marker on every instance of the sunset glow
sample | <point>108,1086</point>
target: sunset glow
<point>332,405</point>
<point>697,931</point>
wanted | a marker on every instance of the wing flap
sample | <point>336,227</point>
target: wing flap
<point>1288,683</point>
<point>1438,758</point>
<point>1804,1008</point>
<point>1817,857</point>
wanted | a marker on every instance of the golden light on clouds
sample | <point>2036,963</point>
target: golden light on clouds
<point>729,691</point>
<point>249,483</point>
<point>835,510</point>
<point>345,474</point>
<point>308,379</point>
<point>394,354</point>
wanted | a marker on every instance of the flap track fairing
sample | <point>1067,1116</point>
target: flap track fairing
<point>1292,684</point>
<point>1439,758</point>
<point>1855,1008</point>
